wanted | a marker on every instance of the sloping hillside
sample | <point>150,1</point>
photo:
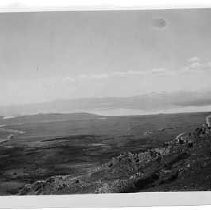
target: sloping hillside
<point>181,164</point>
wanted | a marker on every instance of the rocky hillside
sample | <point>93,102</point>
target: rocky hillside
<point>183,163</point>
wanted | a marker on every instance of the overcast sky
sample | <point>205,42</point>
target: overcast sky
<point>55,55</point>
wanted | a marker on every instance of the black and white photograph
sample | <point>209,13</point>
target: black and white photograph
<point>97,102</point>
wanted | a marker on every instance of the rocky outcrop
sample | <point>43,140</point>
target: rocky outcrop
<point>128,172</point>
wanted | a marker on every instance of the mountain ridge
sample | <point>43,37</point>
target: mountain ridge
<point>156,102</point>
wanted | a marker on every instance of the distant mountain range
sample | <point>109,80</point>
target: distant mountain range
<point>152,103</point>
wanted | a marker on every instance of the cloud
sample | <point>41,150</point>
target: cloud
<point>114,74</point>
<point>194,59</point>
<point>99,76</point>
<point>102,75</point>
<point>69,79</point>
<point>127,73</point>
<point>85,77</point>
<point>159,23</point>
<point>195,64</point>
<point>159,71</point>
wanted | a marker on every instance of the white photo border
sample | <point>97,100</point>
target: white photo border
<point>103,200</point>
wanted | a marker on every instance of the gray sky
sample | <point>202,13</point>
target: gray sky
<point>54,55</point>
